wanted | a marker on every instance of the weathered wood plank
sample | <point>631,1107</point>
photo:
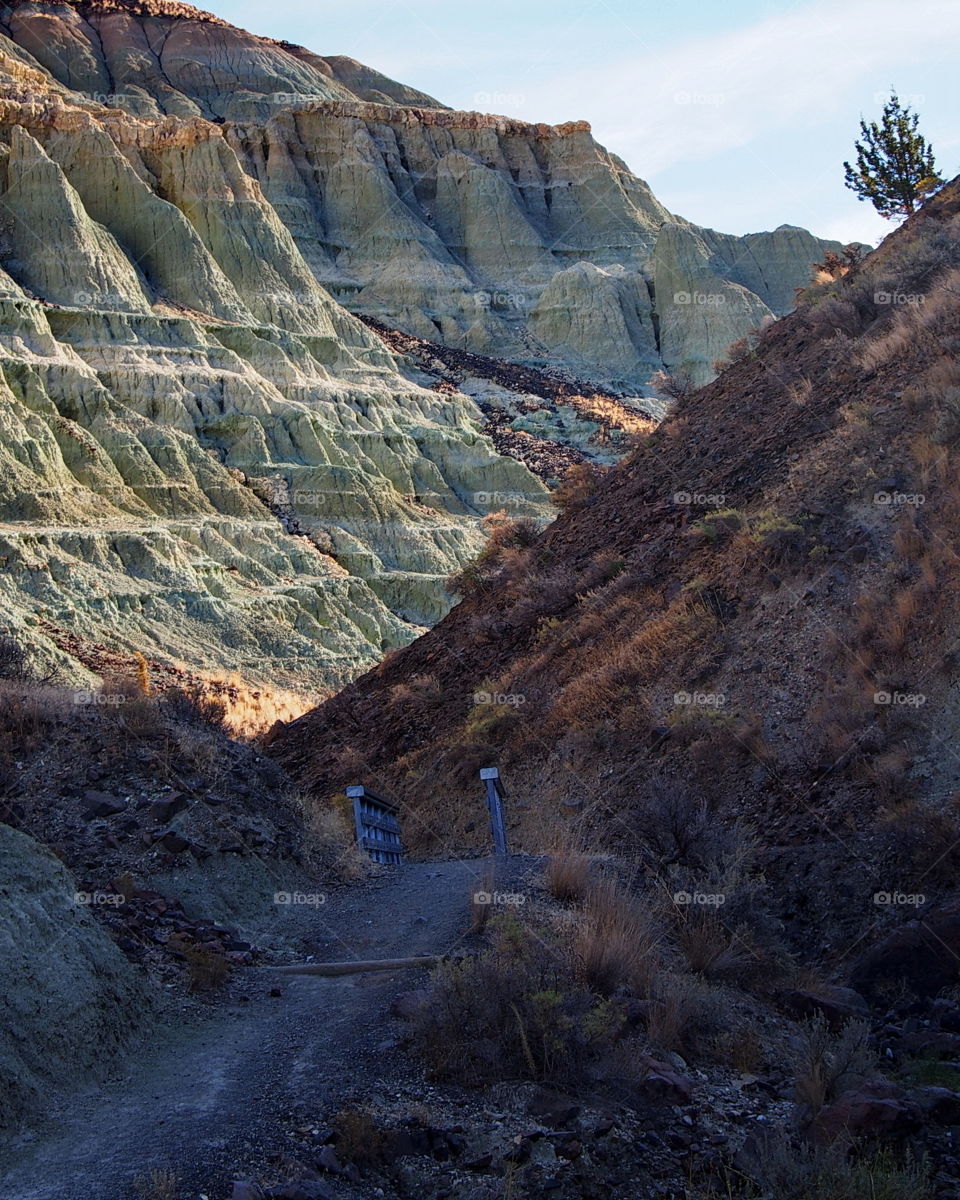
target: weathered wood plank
<point>355,968</point>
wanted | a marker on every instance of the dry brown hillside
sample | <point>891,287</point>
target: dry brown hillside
<point>758,607</point>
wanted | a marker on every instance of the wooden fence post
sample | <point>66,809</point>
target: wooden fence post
<point>495,795</point>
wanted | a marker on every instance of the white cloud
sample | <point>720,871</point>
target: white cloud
<point>709,95</point>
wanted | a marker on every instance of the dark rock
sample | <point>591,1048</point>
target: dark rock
<point>327,1160</point>
<point>302,1189</point>
<point>662,1083</point>
<point>870,1109</point>
<point>245,1189</point>
<point>174,842</point>
<point>920,956</point>
<point>166,809</point>
<point>570,1149</point>
<point>552,1108</point>
<point>102,804</point>
<point>480,1164</point>
<point>837,1005</point>
<point>935,1105</point>
<point>520,1153</point>
<point>407,1143</point>
<point>931,1040</point>
<point>456,1141</point>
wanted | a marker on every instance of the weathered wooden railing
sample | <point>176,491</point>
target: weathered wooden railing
<point>377,824</point>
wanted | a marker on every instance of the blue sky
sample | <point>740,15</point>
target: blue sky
<point>739,113</point>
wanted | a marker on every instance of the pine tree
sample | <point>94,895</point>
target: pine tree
<point>895,167</point>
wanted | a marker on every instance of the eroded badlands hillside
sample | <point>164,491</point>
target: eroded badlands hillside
<point>757,607</point>
<point>205,456</point>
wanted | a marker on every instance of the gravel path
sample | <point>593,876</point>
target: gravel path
<point>213,1100</point>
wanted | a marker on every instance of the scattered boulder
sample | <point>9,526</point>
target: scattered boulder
<point>921,955</point>
<point>174,842</point>
<point>301,1189</point>
<point>102,804</point>
<point>246,1189</point>
<point>836,1005</point>
<point>872,1108</point>
<point>664,1084</point>
<point>170,806</point>
<point>553,1108</point>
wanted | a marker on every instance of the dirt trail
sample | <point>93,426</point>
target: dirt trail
<point>213,1101</point>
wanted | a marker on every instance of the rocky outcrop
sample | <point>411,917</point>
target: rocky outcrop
<point>700,311</point>
<point>169,365</point>
<point>194,429</point>
<point>71,999</point>
<point>459,227</point>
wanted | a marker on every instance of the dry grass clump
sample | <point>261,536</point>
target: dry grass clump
<point>206,969</point>
<point>612,413</point>
<point>718,528</point>
<point>567,876</point>
<point>163,1183</point>
<point>616,941</point>
<point>711,949</point>
<point>329,839</point>
<point>784,1167</point>
<point>827,1064</point>
<point>568,872</point>
<point>682,1015</point>
<point>604,675</point>
<point>517,1010</point>
<point>249,709</point>
<point>578,486</point>
<point>358,1136</point>
<point>677,385</point>
<point>480,906</point>
<point>508,539</point>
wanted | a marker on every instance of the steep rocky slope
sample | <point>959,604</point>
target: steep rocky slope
<point>228,468</point>
<point>524,241</point>
<point>757,606</point>
<point>71,1000</point>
